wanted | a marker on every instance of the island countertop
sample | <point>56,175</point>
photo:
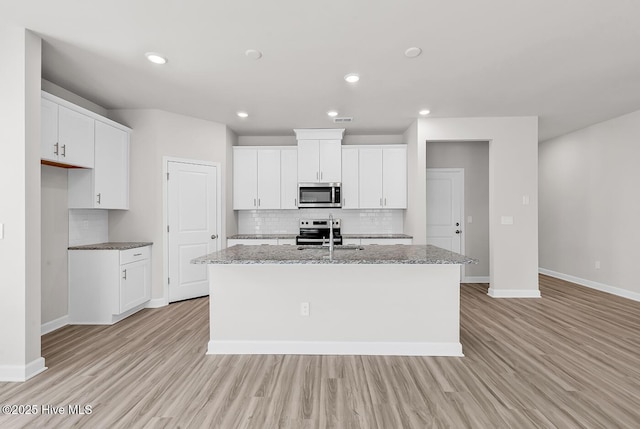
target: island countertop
<point>369,254</point>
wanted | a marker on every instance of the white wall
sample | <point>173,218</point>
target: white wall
<point>589,205</point>
<point>20,356</point>
<point>55,240</point>
<point>473,156</point>
<point>59,91</point>
<point>513,173</point>
<point>157,134</point>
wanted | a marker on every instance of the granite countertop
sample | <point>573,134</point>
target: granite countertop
<point>289,236</point>
<point>370,254</point>
<point>261,236</point>
<point>112,246</point>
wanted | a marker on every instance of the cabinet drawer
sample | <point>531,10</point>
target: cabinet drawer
<point>137,254</point>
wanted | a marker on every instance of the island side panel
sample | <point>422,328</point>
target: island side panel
<point>388,309</point>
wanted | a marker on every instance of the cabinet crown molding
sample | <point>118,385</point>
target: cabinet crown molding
<point>319,133</point>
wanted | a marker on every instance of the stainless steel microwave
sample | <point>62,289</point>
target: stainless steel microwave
<point>319,195</point>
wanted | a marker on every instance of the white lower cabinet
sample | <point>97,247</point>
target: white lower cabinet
<point>105,286</point>
<point>381,241</point>
<point>259,241</point>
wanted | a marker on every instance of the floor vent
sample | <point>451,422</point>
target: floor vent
<point>342,120</point>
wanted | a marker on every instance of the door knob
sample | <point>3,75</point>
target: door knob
<point>214,236</point>
<point>458,231</point>
<point>457,223</point>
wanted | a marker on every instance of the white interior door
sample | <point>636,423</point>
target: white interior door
<point>445,189</point>
<point>192,227</point>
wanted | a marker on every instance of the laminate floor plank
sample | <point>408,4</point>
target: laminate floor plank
<point>570,359</point>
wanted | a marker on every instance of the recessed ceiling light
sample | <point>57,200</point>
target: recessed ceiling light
<point>332,113</point>
<point>424,112</point>
<point>242,114</point>
<point>352,77</point>
<point>156,58</point>
<point>412,52</point>
<point>253,54</point>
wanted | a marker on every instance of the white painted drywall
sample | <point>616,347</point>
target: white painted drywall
<point>59,91</point>
<point>589,205</point>
<point>157,134</point>
<point>55,240</point>
<point>348,139</point>
<point>20,356</point>
<point>473,156</point>
<point>513,173</point>
<point>231,220</point>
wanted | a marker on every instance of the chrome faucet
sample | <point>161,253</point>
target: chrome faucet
<point>330,237</point>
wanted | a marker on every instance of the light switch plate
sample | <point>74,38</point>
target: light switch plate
<point>506,220</point>
<point>469,219</point>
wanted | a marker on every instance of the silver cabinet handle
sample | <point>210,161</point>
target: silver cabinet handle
<point>258,202</point>
<point>55,152</point>
<point>137,254</point>
<point>385,201</point>
<point>295,202</point>
<point>254,202</point>
<point>124,274</point>
<point>214,236</point>
<point>64,150</point>
<point>321,175</point>
<point>99,198</point>
<point>317,175</point>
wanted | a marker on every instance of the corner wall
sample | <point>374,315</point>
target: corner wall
<point>20,354</point>
<point>589,206</point>
<point>513,174</point>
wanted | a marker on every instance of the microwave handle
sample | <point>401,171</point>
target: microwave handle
<point>333,194</point>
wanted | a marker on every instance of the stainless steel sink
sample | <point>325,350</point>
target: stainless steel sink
<point>339,247</point>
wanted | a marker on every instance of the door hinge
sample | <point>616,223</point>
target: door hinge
<point>167,176</point>
<point>167,228</point>
<point>168,280</point>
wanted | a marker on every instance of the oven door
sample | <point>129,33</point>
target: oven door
<point>314,195</point>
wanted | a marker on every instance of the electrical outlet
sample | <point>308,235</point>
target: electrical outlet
<point>469,219</point>
<point>525,200</point>
<point>304,309</point>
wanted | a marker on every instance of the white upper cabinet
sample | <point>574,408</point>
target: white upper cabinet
<point>370,178</point>
<point>256,178</point>
<point>67,136</point>
<point>319,155</point>
<point>268,179</point>
<point>381,177</point>
<point>106,186</point>
<point>289,178</point>
<point>350,193</point>
<point>394,177</point>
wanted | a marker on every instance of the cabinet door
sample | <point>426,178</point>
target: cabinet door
<point>370,178</point>
<point>48,130</point>
<point>394,178</point>
<point>350,178</point>
<point>268,179</point>
<point>330,153</point>
<point>308,161</point>
<point>289,179</point>
<point>135,284</point>
<point>75,138</point>
<point>111,170</point>
<point>245,179</point>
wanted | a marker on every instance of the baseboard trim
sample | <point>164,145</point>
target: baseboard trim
<point>513,293</point>
<point>334,348</point>
<point>54,325</point>
<point>624,293</point>
<point>19,373</point>
<point>475,279</point>
<point>157,303</point>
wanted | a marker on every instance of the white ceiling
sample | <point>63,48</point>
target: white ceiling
<point>570,62</point>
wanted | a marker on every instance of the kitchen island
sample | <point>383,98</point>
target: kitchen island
<point>380,300</point>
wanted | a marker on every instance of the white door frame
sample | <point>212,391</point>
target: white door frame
<point>165,214</point>
<point>463,222</point>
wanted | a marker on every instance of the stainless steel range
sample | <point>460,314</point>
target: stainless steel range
<point>317,231</point>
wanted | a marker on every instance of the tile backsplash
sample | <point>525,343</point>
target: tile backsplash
<point>353,221</point>
<point>88,226</point>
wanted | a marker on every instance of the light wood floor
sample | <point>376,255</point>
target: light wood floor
<point>570,359</point>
